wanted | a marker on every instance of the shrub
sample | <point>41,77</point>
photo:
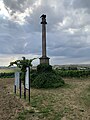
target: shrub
<point>48,79</point>
<point>6,75</point>
<point>44,68</point>
<point>74,73</point>
<point>33,75</point>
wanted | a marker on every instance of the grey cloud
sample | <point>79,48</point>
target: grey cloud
<point>65,60</point>
<point>15,39</point>
<point>46,7</point>
<point>54,14</point>
<point>67,46</point>
<point>18,5</point>
<point>81,4</point>
<point>52,17</point>
<point>71,52</point>
<point>13,5</point>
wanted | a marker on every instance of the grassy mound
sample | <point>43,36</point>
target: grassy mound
<point>45,77</point>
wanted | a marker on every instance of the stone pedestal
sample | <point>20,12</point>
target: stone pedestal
<point>44,60</point>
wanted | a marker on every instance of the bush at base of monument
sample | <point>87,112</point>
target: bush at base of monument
<point>46,78</point>
<point>44,68</point>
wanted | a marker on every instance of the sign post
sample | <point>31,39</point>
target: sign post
<point>17,81</point>
<point>29,85</point>
<point>27,78</point>
<point>20,88</point>
<point>27,81</point>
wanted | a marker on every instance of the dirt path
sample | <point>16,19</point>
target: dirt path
<point>9,104</point>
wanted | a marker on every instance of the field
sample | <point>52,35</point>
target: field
<point>8,70</point>
<point>71,102</point>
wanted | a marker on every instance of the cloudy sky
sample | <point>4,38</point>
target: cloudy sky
<point>68,30</point>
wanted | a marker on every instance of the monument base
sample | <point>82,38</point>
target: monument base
<point>44,60</point>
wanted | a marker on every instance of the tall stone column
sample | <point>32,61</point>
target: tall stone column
<point>44,38</point>
<point>44,58</point>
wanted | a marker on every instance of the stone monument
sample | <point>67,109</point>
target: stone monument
<point>44,59</point>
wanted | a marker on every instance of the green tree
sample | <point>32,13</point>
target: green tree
<point>22,64</point>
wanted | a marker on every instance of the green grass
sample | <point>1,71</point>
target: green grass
<point>22,115</point>
<point>8,70</point>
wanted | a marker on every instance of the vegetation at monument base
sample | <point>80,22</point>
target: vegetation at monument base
<point>45,77</point>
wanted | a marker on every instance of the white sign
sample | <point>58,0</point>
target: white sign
<point>17,81</point>
<point>27,78</point>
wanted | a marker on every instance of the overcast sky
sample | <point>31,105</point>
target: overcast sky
<point>68,30</point>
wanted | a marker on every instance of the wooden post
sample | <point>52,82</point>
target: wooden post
<point>15,89</point>
<point>24,88</point>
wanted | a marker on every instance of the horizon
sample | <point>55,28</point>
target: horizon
<point>55,65</point>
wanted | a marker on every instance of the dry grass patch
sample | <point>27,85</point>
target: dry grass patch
<point>85,97</point>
